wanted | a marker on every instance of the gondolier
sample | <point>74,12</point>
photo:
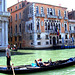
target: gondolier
<point>8,56</point>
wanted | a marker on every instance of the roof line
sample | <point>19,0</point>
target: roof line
<point>50,4</point>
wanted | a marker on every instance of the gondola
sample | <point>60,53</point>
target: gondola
<point>29,68</point>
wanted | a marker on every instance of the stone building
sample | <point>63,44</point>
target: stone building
<point>17,24</point>
<point>72,31</point>
<point>71,20</point>
<point>71,14</point>
<point>43,25</point>
<point>3,24</point>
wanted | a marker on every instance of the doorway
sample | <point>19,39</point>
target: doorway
<point>54,41</point>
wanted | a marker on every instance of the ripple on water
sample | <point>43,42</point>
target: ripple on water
<point>22,57</point>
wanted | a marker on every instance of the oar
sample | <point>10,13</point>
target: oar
<point>12,68</point>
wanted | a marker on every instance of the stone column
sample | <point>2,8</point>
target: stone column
<point>0,37</point>
<point>2,33</point>
<point>2,5</point>
<point>39,25</point>
<point>6,33</point>
<point>6,5</point>
<point>34,26</point>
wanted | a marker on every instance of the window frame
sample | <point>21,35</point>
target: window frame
<point>37,9</point>
<point>15,7</point>
<point>16,17</point>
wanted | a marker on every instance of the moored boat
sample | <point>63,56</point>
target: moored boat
<point>29,68</point>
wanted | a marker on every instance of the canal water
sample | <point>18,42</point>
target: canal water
<point>22,57</point>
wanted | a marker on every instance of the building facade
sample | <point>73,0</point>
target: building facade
<point>43,26</point>
<point>3,24</point>
<point>71,14</point>
<point>16,24</point>
<point>72,31</point>
<point>47,26</point>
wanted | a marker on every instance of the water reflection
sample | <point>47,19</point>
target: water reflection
<point>14,53</point>
<point>19,53</point>
<point>2,54</point>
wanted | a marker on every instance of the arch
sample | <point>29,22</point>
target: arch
<point>54,41</point>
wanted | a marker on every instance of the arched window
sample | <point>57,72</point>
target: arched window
<point>65,27</point>
<point>51,26</point>
<point>48,26</point>
<point>37,9</point>
<point>59,27</point>
<point>38,25</point>
<point>45,25</point>
<point>11,30</point>
<point>20,28</point>
<point>16,8</point>
<point>16,29</point>
<point>16,17</point>
<point>19,15</point>
<point>31,26</point>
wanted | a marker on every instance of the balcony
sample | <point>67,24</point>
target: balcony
<point>66,31</point>
<point>50,31</point>
<point>51,16</point>
<point>38,38</point>
<point>10,34</point>
<point>71,20</point>
<point>37,15</point>
<point>15,34</point>
<point>60,17</point>
<point>72,31</point>
<point>29,15</point>
<point>5,13</point>
<point>19,34</point>
<point>66,18</point>
<point>30,31</point>
<point>38,31</point>
<point>42,15</point>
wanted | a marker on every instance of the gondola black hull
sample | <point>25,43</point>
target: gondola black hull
<point>29,69</point>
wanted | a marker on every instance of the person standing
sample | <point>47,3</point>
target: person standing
<point>8,56</point>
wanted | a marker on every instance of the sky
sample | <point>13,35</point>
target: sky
<point>70,4</point>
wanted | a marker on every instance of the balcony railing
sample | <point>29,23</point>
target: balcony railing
<point>38,31</point>
<point>60,17</point>
<point>19,34</point>
<point>66,18</point>
<point>29,15</point>
<point>51,16</point>
<point>5,13</point>
<point>30,31</point>
<point>38,38</point>
<point>66,31</point>
<point>10,34</point>
<point>15,34</point>
<point>72,31</point>
<point>42,15</point>
<point>37,15</point>
<point>50,31</point>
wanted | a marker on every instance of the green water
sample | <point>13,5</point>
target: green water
<point>22,57</point>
